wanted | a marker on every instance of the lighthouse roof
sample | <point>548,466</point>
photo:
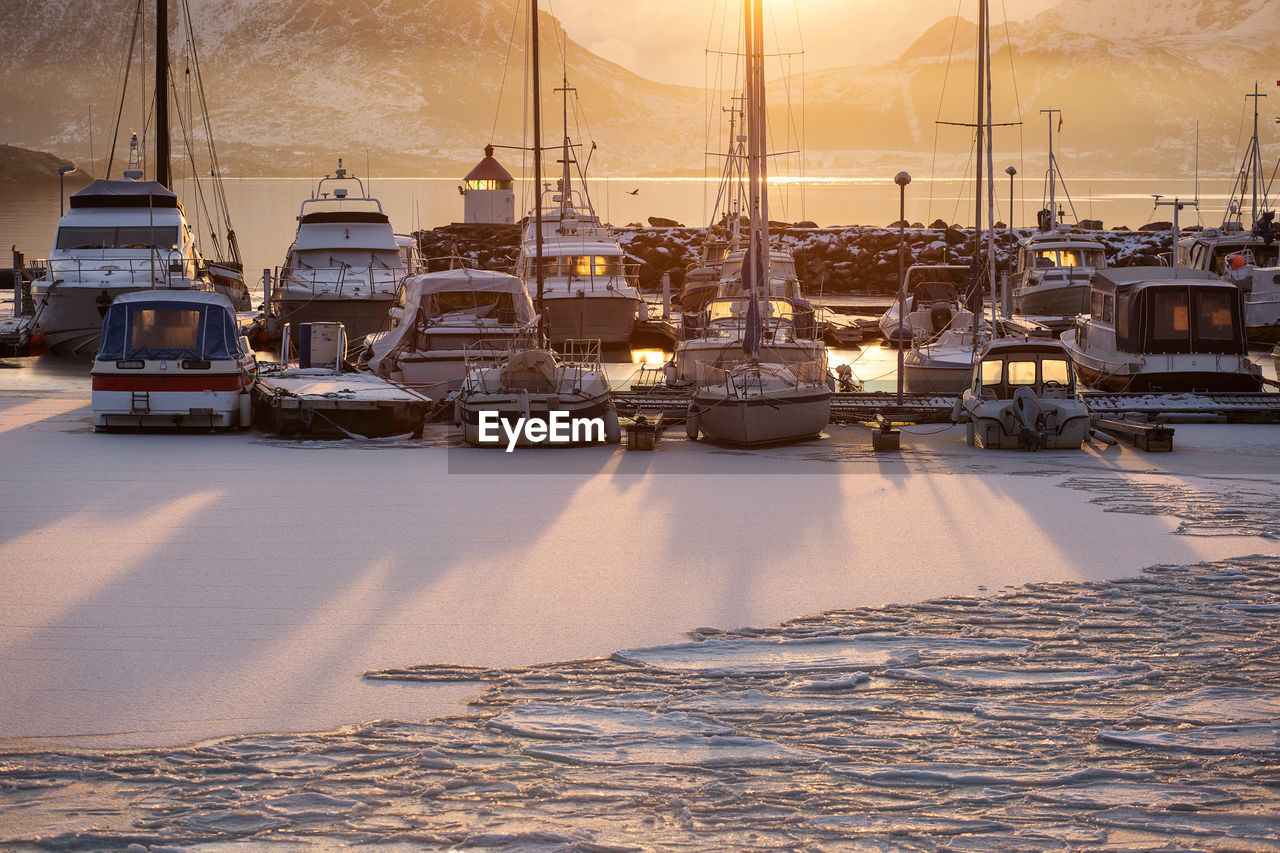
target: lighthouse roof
<point>488,169</point>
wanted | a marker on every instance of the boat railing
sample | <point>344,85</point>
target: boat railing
<point>345,281</point>
<point>153,271</point>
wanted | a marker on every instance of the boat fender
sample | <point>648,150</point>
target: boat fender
<point>612,429</point>
<point>457,411</point>
<point>246,410</point>
<point>940,317</point>
<point>691,424</point>
<point>958,412</point>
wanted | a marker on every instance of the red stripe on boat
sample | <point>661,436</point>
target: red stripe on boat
<point>177,382</point>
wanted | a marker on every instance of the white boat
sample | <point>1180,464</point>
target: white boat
<point>540,389</point>
<point>943,364</point>
<point>932,303</point>
<point>1161,329</point>
<point>1022,394</point>
<point>590,287</point>
<point>761,403</point>
<point>438,317</point>
<point>1051,278</point>
<point>117,236</point>
<point>171,358</point>
<point>715,339</point>
<point>345,262</point>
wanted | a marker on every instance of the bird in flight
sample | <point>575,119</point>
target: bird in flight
<point>635,191</point>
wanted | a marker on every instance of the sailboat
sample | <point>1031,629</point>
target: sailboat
<point>529,383</point>
<point>1249,258</point>
<point>753,400</point>
<point>128,234</point>
<point>590,285</point>
<point>942,363</point>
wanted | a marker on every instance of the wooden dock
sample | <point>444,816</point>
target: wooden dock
<point>325,403</point>
<point>14,334</point>
<point>1233,407</point>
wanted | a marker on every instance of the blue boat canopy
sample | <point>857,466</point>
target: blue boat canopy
<point>170,324</point>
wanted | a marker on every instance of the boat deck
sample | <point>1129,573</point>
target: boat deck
<point>325,403</point>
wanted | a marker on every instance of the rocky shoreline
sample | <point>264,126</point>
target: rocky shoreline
<point>843,259</point>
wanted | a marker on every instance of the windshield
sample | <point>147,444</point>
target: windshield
<point>70,238</point>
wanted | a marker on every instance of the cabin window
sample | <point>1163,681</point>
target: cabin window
<point>1169,317</point>
<point>1055,370</point>
<point>124,237</point>
<point>1095,305</point>
<point>479,303</point>
<point>608,265</point>
<point>1095,258</point>
<point>1108,307</point>
<point>156,329</point>
<point>1213,317</point>
<point>1022,373</point>
<point>992,371</point>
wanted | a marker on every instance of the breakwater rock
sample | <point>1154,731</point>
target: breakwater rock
<point>845,259</point>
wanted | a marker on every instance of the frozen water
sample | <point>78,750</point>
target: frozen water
<point>940,773</point>
<point>679,750</point>
<point>1211,739</point>
<point>576,722</point>
<point>962,678</point>
<point>1101,795</point>
<point>1217,705</point>
<point>756,702</point>
<point>766,657</point>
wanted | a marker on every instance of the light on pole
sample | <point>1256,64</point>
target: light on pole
<point>902,179</point>
<point>1011,172</point>
<point>63,171</point>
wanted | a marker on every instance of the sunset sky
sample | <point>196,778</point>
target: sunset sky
<point>665,40</point>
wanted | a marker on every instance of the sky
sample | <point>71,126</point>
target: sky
<point>665,40</point>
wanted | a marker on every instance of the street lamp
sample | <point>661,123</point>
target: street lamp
<point>63,171</point>
<point>1011,172</point>
<point>902,179</point>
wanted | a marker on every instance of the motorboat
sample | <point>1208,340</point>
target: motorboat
<point>117,236</point>
<point>1162,329</point>
<point>943,363</point>
<point>438,316</point>
<point>171,358</point>
<point>761,403</point>
<point>589,285</point>
<point>1022,394</point>
<point>522,396</point>
<point>1051,278</point>
<point>713,338</point>
<point>345,262</point>
<point>932,303</point>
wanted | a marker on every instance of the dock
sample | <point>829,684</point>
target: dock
<point>14,334</point>
<point>1229,407</point>
<point>326,403</point>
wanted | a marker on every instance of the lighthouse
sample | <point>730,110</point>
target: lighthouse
<point>487,193</point>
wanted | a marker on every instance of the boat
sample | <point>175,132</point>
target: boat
<point>943,363</point>
<point>764,391</point>
<point>345,262</point>
<point>1163,330</point>
<point>1050,281</point>
<point>523,395</point>
<point>122,235</point>
<point>1022,394</point>
<point>590,285</point>
<point>724,235</point>
<point>171,358</point>
<point>932,303</point>
<point>438,316</point>
<point>1249,257</point>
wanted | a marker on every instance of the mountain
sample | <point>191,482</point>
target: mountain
<point>293,84</point>
<point>422,85</point>
<point>1132,78</point>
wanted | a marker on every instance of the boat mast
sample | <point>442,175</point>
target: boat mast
<point>162,94</point>
<point>1053,173</point>
<point>753,266</point>
<point>1256,165</point>
<point>565,202</point>
<point>975,266</point>
<point>537,174</point>
<point>985,23</point>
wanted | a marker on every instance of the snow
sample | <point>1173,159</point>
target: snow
<point>162,589</point>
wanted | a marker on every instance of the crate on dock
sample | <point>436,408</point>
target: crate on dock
<point>643,434</point>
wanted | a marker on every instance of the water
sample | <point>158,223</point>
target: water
<point>263,210</point>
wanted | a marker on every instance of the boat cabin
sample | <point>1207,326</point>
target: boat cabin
<point>1059,251</point>
<point>1212,250</point>
<point>1040,364</point>
<point>1192,313</point>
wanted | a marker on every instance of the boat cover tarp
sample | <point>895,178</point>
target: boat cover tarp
<point>169,324</point>
<point>105,193</point>
<point>419,288</point>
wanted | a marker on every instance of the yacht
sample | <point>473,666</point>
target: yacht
<point>1161,329</point>
<point>943,363</point>
<point>932,303</point>
<point>714,339</point>
<point>761,403</point>
<point>117,236</point>
<point>1022,394</point>
<point>438,316</point>
<point>1051,277</point>
<point>345,263</point>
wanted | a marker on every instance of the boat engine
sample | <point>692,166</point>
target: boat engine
<point>939,316</point>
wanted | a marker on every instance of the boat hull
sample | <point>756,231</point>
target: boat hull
<point>70,315</point>
<point>765,420</point>
<point>1053,299</point>
<point>607,318</point>
<point>360,317</point>
<point>170,399</point>
<point>510,407</point>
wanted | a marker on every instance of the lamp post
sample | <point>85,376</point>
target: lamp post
<point>63,171</point>
<point>1011,172</point>
<point>902,179</point>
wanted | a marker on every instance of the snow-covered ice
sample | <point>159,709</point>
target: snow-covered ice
<point>948,649</point>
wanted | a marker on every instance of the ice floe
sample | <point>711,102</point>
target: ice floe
<point>1260,739</point>
<point>1217,705</point>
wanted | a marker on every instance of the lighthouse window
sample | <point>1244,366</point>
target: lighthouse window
<point>482,185</point>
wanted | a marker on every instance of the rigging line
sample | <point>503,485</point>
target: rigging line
<point>506,64</point>
<point>124,88</point>
<point>1017,102</point>
<point>946,73</point>
<point>201,202</point>
<point>215,168</point>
